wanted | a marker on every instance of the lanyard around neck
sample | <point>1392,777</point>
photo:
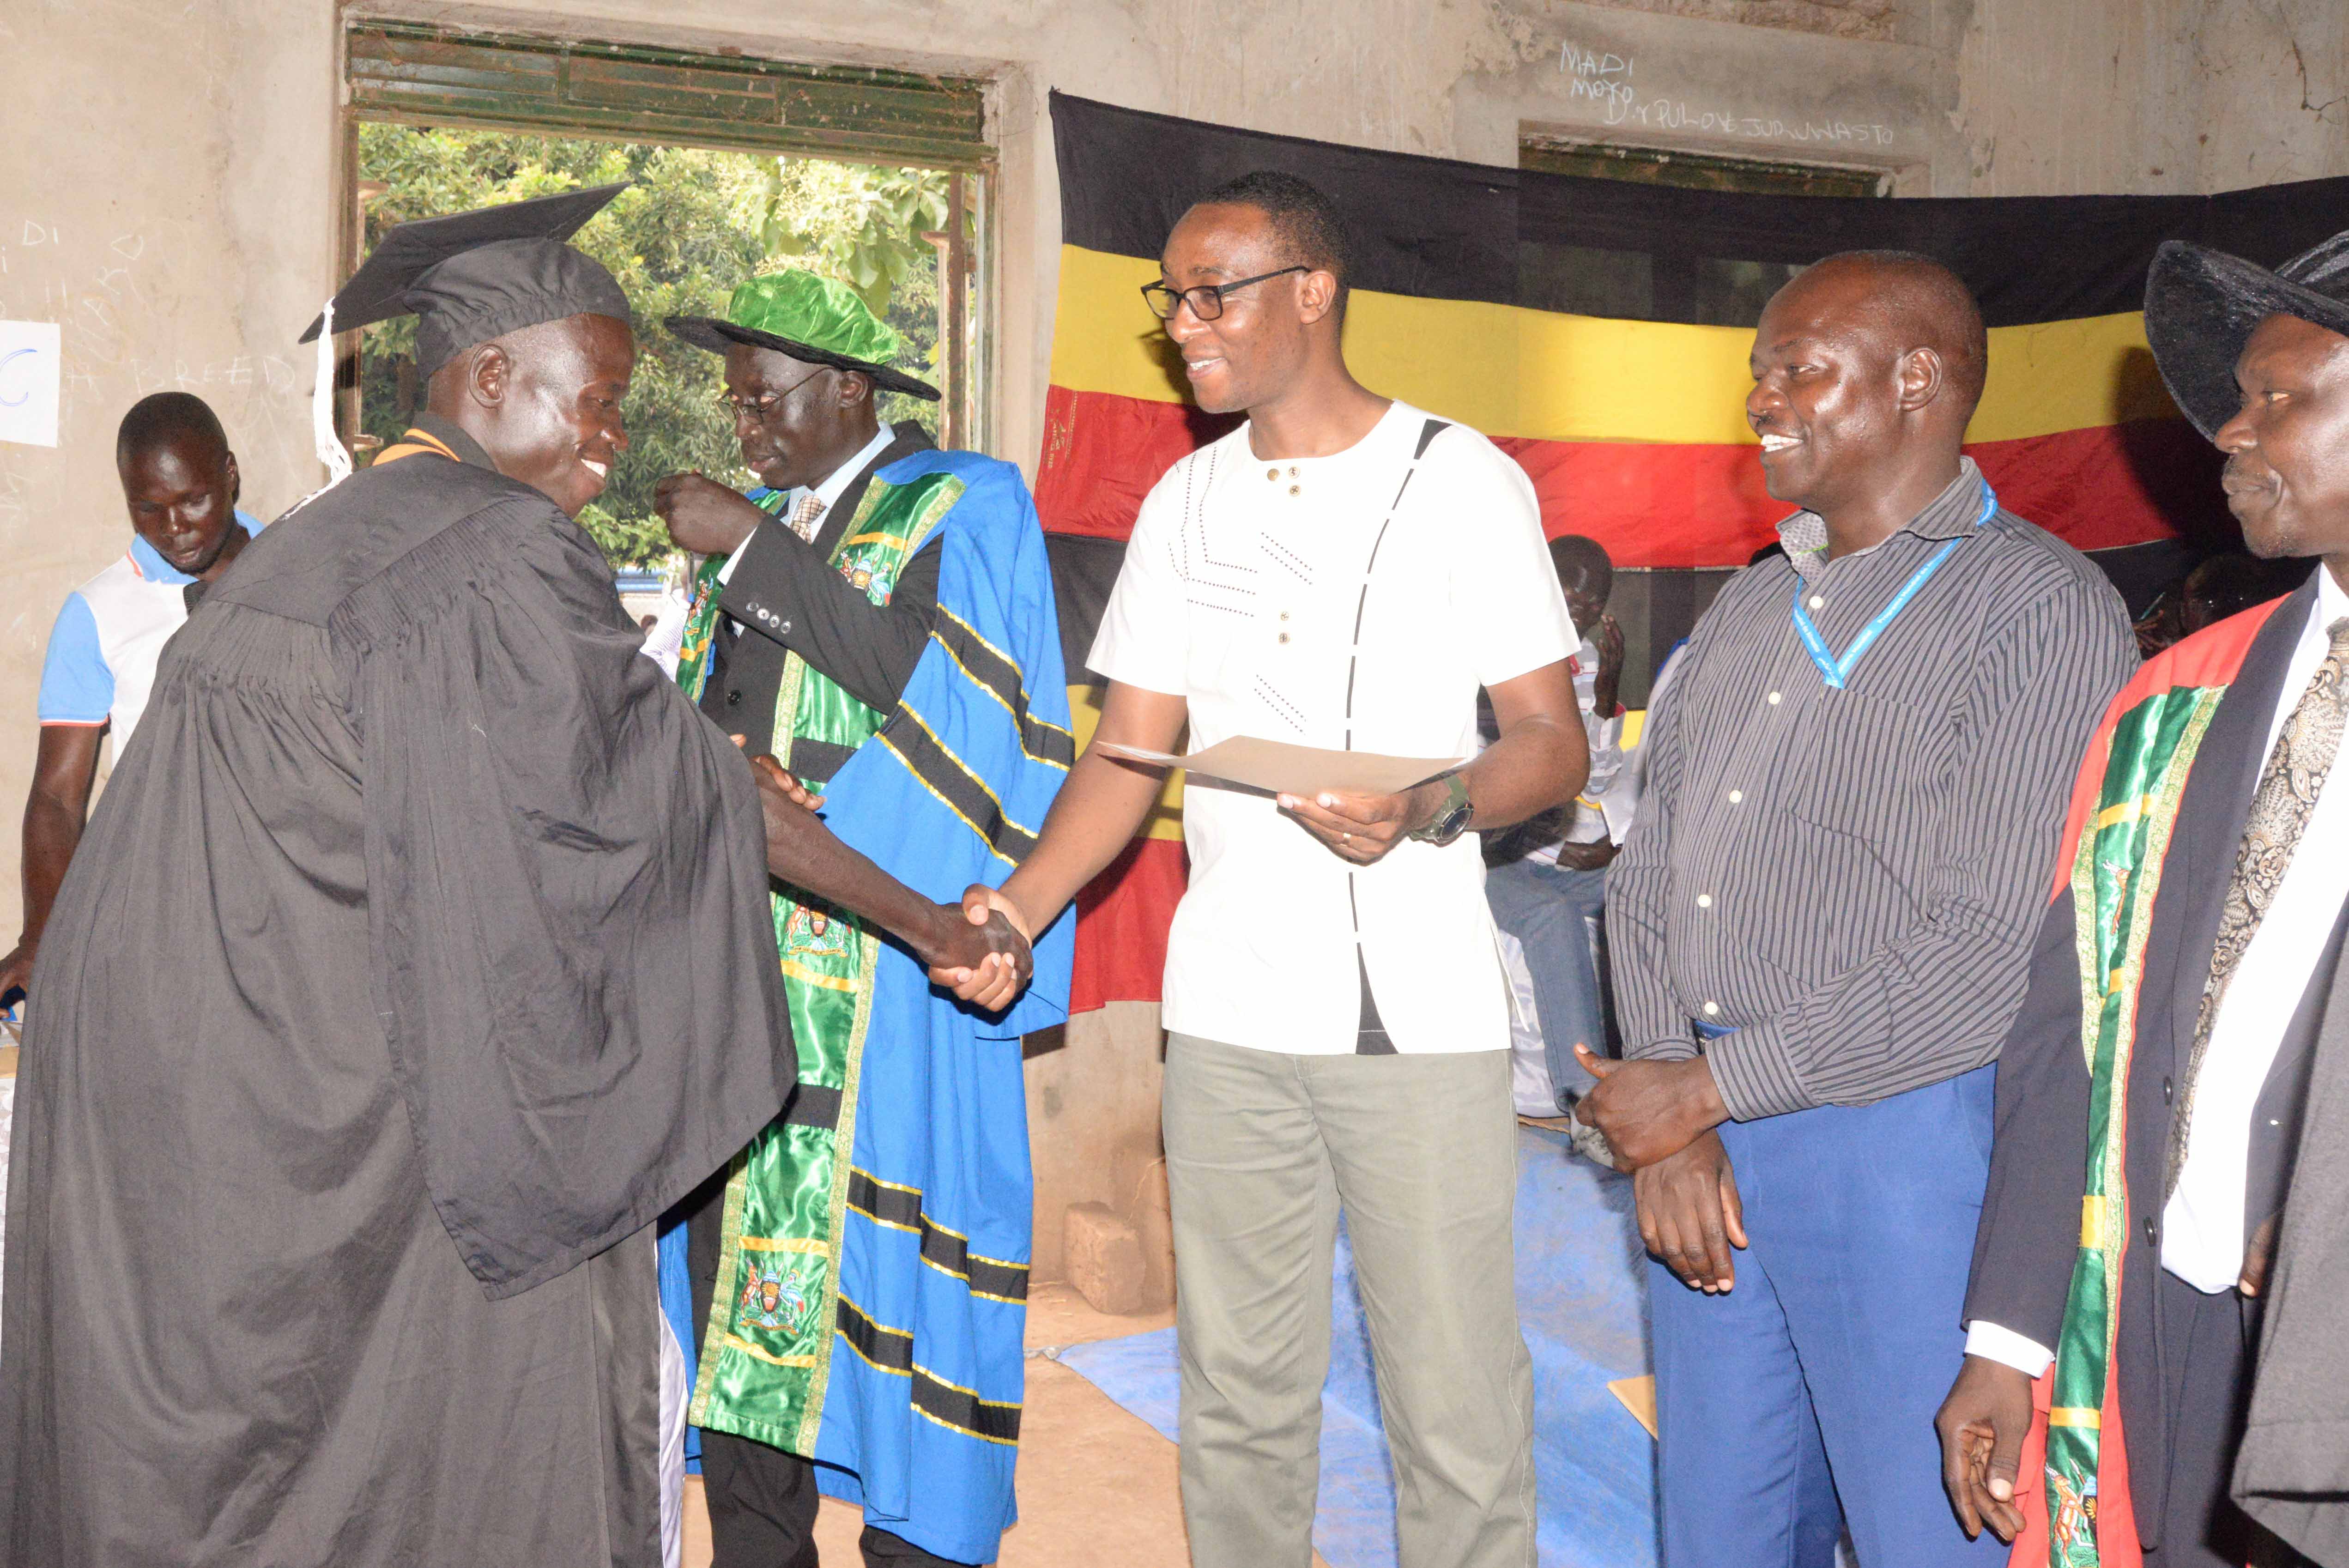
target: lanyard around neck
<point>1837,672</point>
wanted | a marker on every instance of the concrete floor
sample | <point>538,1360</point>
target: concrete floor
<point>1096,1484</point>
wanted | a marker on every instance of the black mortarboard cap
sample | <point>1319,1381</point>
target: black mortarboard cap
<point>472,277</point>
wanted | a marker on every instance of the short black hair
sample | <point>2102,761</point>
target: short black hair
<point>1302,215</point>
<point>161,417</point>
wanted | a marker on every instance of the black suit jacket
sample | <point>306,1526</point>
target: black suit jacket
<point>783,607</point>
<point>2030,1232</point>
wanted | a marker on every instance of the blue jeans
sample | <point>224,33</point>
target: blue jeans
<point>1545,907</point>
<point>1804,1399</point>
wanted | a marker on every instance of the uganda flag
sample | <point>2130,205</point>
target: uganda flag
<point>1597,331</point>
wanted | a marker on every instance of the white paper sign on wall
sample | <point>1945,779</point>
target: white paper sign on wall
<point>32,367</point>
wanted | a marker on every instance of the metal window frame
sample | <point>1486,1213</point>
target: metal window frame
<point>412,73</point>
<point>1554,154</point>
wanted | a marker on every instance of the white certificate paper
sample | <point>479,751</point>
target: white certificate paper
<point>1287,770</point>
<point>32,368</point>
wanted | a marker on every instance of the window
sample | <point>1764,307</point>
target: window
<point>740,166</point>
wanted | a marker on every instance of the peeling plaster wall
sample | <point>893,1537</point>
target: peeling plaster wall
<point>172,204</point>
<point>2274,80</point>
<point>165,205</point>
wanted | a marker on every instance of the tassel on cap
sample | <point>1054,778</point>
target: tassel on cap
<point>322,406</point>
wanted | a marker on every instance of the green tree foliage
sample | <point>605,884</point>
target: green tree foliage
<point>692,225</point>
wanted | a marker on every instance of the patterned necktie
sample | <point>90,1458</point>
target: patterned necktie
<point>804,515</point>
<point>2280,809</point>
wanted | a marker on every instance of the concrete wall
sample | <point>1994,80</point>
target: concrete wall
<point>172,202</point>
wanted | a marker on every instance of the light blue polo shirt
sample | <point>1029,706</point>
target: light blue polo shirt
<point>102,650</point>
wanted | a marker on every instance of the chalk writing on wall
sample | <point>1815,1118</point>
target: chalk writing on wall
<point>1606,81</point>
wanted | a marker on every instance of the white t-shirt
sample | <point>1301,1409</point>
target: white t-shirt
<point>1305,600</point>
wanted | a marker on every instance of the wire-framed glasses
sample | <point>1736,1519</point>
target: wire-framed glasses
<point>761,408</point>
<point>1206,300</point>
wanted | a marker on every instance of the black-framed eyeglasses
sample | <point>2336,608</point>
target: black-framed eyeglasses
<point>764,405</point>
<point>1206,299</point>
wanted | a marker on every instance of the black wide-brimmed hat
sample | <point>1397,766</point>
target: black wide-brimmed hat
<point>2202,306</point>
<point>813,318</point>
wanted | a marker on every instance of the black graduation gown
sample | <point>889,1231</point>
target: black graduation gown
<point>415,958</point>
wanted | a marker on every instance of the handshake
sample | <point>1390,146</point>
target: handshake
<point>978,949</point>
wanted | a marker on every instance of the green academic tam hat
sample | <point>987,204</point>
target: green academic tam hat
<point>811,318</point>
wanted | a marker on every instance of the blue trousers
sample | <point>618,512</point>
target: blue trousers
<point>1546,908</point>
<point>1802,1402</point>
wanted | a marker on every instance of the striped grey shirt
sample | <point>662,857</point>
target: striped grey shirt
<point>1851,879</point>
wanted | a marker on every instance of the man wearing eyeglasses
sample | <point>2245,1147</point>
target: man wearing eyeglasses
<point>1341,572</point>
<point>877,613</point>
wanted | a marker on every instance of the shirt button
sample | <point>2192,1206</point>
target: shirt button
<point>1292,471</point>
<point>1817,602</point>
<point>1773,699</point>
<point>1711,1009</point>
<point>1272,473</point>
<point>1284,614</point>
<point>1705,901</point>
<point>1737,795</point>
<point>1294,490</point>
<point>1284,636</point>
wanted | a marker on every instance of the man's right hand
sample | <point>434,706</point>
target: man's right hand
<point>984,961</point>
<point>704,516</point>
<point>1591,857</point>
<point>994,984</point>
<point>1608,679</point>
<point>1690,1215</point>
<point>1983,1423</point>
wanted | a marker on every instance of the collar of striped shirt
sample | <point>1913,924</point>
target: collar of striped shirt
<point>1949,515</point>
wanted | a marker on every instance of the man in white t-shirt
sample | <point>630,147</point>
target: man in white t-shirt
<point>180,482</point>
<point>1341,572</point>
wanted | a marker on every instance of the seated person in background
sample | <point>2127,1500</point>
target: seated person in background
<point>179,481</point>
<point>2218,586</point>
<point>1546,877</point>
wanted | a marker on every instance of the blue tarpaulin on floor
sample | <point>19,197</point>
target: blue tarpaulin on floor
<point>1582,1298</point>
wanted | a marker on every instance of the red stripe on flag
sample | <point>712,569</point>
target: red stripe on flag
<point>1659,504</point>
<point>1102,453</point>
<point>1122,917</point>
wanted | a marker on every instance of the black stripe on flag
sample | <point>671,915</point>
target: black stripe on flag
<point>1439,228</point>
<point>1126,176</point>
<point>1085,570</point>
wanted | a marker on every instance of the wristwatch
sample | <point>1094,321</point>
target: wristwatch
<point>1452,818</point>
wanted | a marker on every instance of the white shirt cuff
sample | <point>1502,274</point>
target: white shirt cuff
<point>2005,1345</point>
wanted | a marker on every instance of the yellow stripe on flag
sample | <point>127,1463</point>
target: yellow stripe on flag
<point>1546,376</point>
<point>2073,1416</point>
<point>2092,1221</point>
<point>1165,819</point>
